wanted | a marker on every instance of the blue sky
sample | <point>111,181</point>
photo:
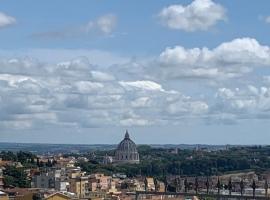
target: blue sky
<point>169,71</point>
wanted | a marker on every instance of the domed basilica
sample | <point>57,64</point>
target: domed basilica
<point>126,151</point>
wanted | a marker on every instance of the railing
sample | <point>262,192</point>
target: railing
<point>200,195</point>
<point>192,189</point>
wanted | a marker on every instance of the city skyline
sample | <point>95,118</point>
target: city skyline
<point>176,72</point>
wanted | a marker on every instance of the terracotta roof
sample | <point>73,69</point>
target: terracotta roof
<point>5,162</point>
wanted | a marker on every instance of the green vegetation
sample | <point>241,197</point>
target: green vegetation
<point>21,156</point>
<point>156,161</point>
<point>15,177</point>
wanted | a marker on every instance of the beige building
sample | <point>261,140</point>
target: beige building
<point>79,186</point>
<point>75,172</point>
<point>20,193</point>
<point>3,196</point>
<point>150,184</point>
<point>65,162</point>
<point>99,182</point>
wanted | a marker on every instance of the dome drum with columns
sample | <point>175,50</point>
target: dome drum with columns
<point>126,151</point>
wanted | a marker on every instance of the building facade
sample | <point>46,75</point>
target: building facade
<point>3,196</point>
<point>79,186</point>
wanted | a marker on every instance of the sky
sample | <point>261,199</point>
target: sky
<point>178,72</point>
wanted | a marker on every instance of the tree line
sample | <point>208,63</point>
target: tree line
<point>157,161</point>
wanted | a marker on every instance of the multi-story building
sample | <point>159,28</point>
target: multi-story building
<point>43,180</point>
<point>100,182</point>
<point>79,186</point>
<point>1,179</point>
<point>54,179</point>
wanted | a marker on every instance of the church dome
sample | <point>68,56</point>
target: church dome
<point>127,151</point>
<point>127,144</point>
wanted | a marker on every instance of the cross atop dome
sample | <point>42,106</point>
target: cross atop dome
<point>126,135</point>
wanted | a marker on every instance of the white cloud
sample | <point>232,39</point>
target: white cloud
<point>6,20</point>
<point>102,26</point>
<point>86,87</point>
<point>199,15</point>
<point>106,23</point>
<point>131,119</point>
<point>267,19</point>
<point>14,80</point>
<point>228,60</point>
<point>142,85</point>
<point>141,102</point>
<point>102,76</point>
<point>135,122</point>
<point>183,107</point>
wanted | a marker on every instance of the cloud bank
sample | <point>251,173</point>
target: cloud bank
<point>76,94</point>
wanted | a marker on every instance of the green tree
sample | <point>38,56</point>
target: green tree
<point>15,177</point>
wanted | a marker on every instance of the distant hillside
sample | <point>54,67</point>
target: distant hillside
<point>41,148</point>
